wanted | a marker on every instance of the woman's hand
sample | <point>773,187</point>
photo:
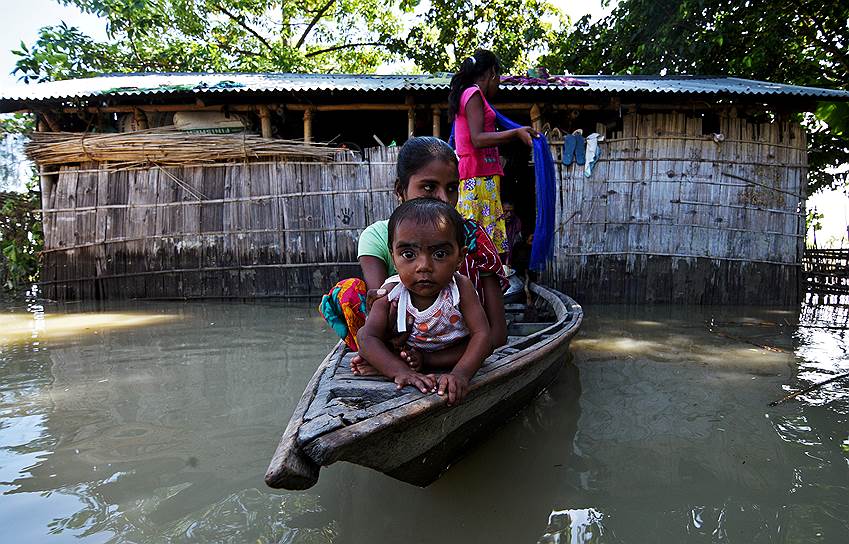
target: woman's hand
<point>527,135</point>
<point>395,339</point>
<point>374,294</point>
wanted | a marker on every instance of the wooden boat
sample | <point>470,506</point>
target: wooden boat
<point>413,436</point>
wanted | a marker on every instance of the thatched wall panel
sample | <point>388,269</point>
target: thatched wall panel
<point>670,215</point>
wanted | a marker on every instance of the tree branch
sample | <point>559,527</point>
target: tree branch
<point>240,21</point>
<point>344,46</point>
<point>314,22</point>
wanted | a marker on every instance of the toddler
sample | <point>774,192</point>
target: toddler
<point>426,243</point>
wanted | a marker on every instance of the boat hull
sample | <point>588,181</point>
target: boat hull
<point>459,429</point>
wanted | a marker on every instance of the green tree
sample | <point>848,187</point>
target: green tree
<point>516,30</point>
<point>218,35</point>
<point>785,41</point>
<point>353,36</point>
<point>21,237</point>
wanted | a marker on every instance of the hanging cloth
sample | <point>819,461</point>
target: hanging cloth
<point>544,173</point>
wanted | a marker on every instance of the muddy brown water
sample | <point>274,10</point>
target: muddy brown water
<point>154,422</point>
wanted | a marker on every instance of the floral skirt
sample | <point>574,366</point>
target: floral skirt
<point>480,200</point>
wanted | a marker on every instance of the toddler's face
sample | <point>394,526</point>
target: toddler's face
<point>426,256</point>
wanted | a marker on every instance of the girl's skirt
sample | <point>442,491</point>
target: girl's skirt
<point>480,200</point>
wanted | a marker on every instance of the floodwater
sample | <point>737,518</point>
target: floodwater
<point>154,422</point>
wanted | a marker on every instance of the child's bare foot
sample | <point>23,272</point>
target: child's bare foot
<point>361,367</point>
<point>412,357</point>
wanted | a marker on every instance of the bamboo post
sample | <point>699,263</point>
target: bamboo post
<point>47,180</point>
<point>50,124</point>
<point>436,121</point>
<point>536,118</point>
<point>265,121</point>
<point>411,117</point>
<point>141,119</point>
<point>308,125</point>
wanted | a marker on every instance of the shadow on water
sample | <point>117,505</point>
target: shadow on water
<point>658,430</point>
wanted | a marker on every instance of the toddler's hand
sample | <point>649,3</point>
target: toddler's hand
<point>425,384</point>
<point>452,385</point>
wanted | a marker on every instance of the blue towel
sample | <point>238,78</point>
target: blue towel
<point>568,150</point>
<point>580,149</point>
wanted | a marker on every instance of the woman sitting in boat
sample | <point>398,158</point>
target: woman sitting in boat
<point>438,306</point>
<point>426,167</point>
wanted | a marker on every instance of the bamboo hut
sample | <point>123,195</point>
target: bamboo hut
<point>698,196</point>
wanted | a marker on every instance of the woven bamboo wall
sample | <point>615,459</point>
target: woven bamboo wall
<point>669,215</point>
<point>222,230</point>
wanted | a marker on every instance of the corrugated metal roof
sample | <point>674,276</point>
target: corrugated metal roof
<point>151,84</point>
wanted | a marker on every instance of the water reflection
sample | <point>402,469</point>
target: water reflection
<point>658,431</point>
<point>23,327</point>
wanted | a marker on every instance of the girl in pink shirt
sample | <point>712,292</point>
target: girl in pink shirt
<point>477,139</point>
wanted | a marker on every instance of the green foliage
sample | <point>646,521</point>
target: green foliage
<point>785,41</point>
<point>13,131</point>
<point>217,35</point>
<point>813,220</point>
<point>17,123</point>
<point>451,31</point>
<point>21,238</point>
<point>351,36</point>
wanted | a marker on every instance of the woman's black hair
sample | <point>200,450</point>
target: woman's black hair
<point>417,153</point>
<point>470,70</point>
<point>425,211</point>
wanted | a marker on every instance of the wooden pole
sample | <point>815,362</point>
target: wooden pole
<point>265,121</point>
<point>436,121</point>
<point>308,125</point>
<point>50,121</point>
<point>536,118</point>
<point>411,117</point>
<point>141,119</point>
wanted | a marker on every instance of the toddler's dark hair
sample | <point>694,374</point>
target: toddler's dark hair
<point>425,211</point>
<point>470,69</point>
<point>417,153</point>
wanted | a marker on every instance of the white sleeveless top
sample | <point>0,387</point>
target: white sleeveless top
<point>433,328</point>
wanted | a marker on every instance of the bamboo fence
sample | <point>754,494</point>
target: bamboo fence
<point>250,229</point>
<point>669,215</point>
<point>827,271</point>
